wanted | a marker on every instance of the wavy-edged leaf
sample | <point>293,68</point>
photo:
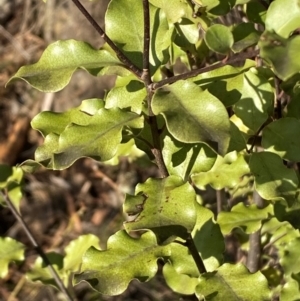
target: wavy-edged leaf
<point>165,206</point>
<point>226,172</point>
<point>59,61</point>
<point>249,218</point>
<point>193,115</point>
<point>128,35</point>
<point>273,180</point>
<point>219,38</point>
<point>208,239</point>
<point>234,283</point>
<point>98,139</point>
<point>10,250</point>
<point>283,17</point>
<point>184,159</point>
<point>290,260</point>
<point>126,258</point>
<point>280,53</point>
<point>279,137</point>
<point>257,100</point>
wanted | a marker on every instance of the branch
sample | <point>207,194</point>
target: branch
<point>123,58</point>
<point>235,59</point>
<point>38,249</point>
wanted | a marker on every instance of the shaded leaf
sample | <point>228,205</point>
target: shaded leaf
<point>10,250</point>
<point>219,38</point>
<point>165,206</point>
<point>126,258</point>
<point>234,283</point>
<point>273,180</point>
<point>249,218</point>
<point>256,12</point>
<point>290,260</point>
<point>59,61</point>
<point>279,137</point>
<point>192,115</point>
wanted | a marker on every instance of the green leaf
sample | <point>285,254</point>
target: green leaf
<point>256,12</point>
<point>249,218</point>
<point>98,139</point>
<point>290,260</point>
<point>234,283</point>
<point>244,35</point>
<point>10,250</point>
<point>129,35</point>
<point>40,271</point>
<point>237,140</point>
<point>131,96</point>
<point>279,138</point>
<point>290,291</point>
<point>226,172</point>
<point>225,83</point>
<point>219,38</point>
<point>178,282</point>
<point>75,250</point>
<point>184,159</point>
<point>257,100</point>
<point>165,206</point>
<point>192,115</point>
<point>208,239</point>
<point>273,180</point>
<point>280,53</point>
<point>293,107</point>
<point>126,258</point>
<point>283,17</point>
<point>59,61</point>
<point>216,7</point>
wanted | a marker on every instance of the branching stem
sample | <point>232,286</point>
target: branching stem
<point>36,246</point>
<point>123,58</point>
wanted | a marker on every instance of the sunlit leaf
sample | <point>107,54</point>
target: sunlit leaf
<point>290,290</point>
<point>290,260</point>
<point>249,218</point>
<point>165,206</point>
<point>126,258</point>
<point>59,61</point>
<point>10,250</point>
<point>193,115</point>
<point>233,282</point>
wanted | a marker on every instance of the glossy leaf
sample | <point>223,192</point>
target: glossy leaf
<point>59,61</point>
<point>128,35</point>
<point>273,180</point>
<point>279,138</point>
<point>208,239</point>
<point>282,20</point>
<point>226,172</point>
<point>10,250</point>
<point>244,35</point>
<point>233,282</point>
<point>257,100</point>
<point>126,258</point>
<point>219,38</point>
<point>249,218</point>
<point>165,206</point>
<point>193,116</point>
<point>98,139</point>
<point>280,53</point>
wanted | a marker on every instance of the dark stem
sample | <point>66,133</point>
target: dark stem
<point>254,254</point>
<point>221,199</point>
<point>38,249</point>
<point>234,59</point>
<point>123,58</point>
<point>196,256</point>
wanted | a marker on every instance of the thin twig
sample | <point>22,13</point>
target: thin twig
<point>122,57</point>
<point>36,246</point>
<point>234,59</point>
